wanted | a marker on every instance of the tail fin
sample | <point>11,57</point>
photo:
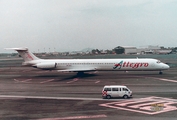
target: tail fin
<point>26,55</point>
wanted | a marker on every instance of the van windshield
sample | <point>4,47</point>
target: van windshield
<point>125,89</point>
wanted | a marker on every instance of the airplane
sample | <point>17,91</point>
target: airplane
<point>85,65</point>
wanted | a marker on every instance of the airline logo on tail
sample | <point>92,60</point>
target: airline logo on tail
<point>29,56</point>
<point>129,64</point>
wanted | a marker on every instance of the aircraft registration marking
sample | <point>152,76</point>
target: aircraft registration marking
<point>150,105</point>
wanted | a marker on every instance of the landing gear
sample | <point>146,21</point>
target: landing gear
<point>160,73</point>
<point>80,73</point>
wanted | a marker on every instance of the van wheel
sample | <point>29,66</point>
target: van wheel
<point>108,96</point>
<point>125,96</point>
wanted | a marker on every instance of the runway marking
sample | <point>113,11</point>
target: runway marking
<point>16,80</point>
<point>75,117</point>
<point>53,98</point>
<point>26,80</point>
<point>97,81</point>
<point>74,80</point>
<point>22,80</point>
<point>48,81</point>
<point>95,72</point>
<point>145,105</point>
<point>26,70</point>
<point>162,79</point>
<point>168,80</point>
<point>42,71</point>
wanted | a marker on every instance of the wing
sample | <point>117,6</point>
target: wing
<point>78,70</point>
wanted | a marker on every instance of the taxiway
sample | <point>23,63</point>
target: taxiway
<point>28,93</point>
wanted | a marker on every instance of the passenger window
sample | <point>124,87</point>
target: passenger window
<point>107,89</point>
<point>114,89</point>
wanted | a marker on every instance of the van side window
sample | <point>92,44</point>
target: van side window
<point>114,89</point>
<point>125,89</point>
<point>107,89</point>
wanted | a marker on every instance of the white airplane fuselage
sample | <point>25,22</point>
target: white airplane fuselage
<point>85,65</point>
<point>98,64</point>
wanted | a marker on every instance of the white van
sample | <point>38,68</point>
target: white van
<point>110,91</point>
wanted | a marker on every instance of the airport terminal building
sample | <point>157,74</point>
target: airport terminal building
<point>125,50</point>
<point>146,50</point>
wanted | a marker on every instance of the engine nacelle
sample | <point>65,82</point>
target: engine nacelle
<point>46,66</point>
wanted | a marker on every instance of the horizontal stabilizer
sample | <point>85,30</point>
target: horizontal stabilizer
<point>17,49</point>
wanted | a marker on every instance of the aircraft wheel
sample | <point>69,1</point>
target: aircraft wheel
<point>160,72</point>
<point>80,73</point>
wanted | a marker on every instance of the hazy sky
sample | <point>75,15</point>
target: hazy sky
<point>65,25</point>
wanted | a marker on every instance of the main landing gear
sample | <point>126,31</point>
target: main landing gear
<point>80,73</point>
<point>160,72</point>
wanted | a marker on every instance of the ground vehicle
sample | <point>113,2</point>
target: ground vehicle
<point>110,91</point>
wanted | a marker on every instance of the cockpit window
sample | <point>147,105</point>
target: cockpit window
<point>158,61</point>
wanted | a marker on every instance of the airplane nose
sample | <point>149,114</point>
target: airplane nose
<point>166,66</point>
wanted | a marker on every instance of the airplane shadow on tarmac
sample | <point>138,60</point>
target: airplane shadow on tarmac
<point>85,75</point>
